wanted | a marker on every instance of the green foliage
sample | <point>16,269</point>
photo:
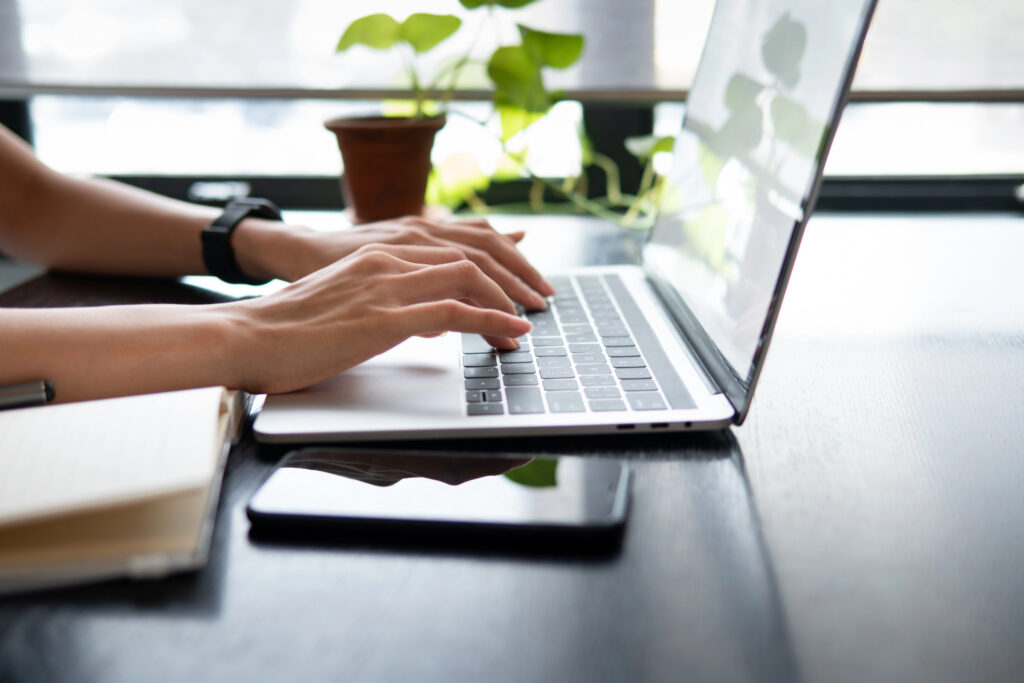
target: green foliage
<point>422,32</point>
<point>515,71</point>
<point>507,4</point>
<point>378,31</point>
<point>557,50</point>
<point>517,80</point>
<point>644,147</point>
<point>425,31</point>
<point>535,474</point>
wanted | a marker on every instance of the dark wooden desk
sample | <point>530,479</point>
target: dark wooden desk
<point>862,525</point>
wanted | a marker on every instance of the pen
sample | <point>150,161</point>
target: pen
<point>26,394</point>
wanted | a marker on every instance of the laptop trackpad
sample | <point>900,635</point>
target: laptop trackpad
<point>420,379</point>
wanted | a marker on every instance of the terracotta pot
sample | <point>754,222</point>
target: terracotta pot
<point>387,161</point>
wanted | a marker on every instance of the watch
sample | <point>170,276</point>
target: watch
<point>218,254</point>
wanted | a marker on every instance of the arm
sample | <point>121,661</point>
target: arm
<point>94,225</point>
<point>312,329</point>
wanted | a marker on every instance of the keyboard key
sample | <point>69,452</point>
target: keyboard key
<point>556,373</point>
<point>631,362</point>
<point>617,341</point>
<point>581,337</point>
<point>639,385</point>
<point>485,409</point>
<point>587,358</point>
<point>602,392</point>
<point>605,313</point>
<point>612,332</point>
<point>674,391</point>
<point>547,330</point>
<point>520,380</point>
<point>491,396</point>
<point>593,369</point>
<point>553,362</point>
<point>515,357</point>
<point>523,400</point>
<point>622,351</point>
<point>476,396</point>
<point>560,385</point>
<point>585,348</point>
<point>606,404</point>
<point>632,373</point>
<point>474,343</point>
<point>539,342</point>
<point>550,351</point>
<point>598,381</point>
<point>573,318</point>
<point>517,369</point>
<point>483,384</point>
<point>480,372</point>
<point>645,401</point>
<point>565,402</point>
<point>477,360</point>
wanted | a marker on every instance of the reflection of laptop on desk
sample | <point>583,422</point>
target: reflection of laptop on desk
<point>678,342</point>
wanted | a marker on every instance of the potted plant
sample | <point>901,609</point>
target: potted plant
<point>387,159</point>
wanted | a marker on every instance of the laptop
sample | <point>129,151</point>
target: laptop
<point>677,342</point>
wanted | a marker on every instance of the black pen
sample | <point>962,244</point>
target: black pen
<point>26,394</point>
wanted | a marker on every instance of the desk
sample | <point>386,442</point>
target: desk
<point>862,524</point>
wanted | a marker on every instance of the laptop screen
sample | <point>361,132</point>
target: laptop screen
<point>757,125</point>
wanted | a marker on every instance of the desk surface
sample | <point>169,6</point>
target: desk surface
<point>862,525</point>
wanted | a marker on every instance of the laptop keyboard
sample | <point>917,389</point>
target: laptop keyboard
<point>584,354</point>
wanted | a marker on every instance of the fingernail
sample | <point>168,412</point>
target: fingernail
<point>519,326</point>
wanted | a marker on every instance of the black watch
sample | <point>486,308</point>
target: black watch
<point>218,254</point>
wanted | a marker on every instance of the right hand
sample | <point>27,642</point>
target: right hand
<point>363,305</point>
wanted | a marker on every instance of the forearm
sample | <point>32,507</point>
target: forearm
<point>116,350</point>
<point>96,225</point>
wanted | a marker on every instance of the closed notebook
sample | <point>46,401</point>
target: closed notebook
<point>116,487</point>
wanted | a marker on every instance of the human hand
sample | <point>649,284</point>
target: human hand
<point>363,305</point>
<point>305,251</point>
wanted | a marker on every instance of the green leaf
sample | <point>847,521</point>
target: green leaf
<point>643,147</point>
<point>515,120</point>
<point>378,31</point>
<point>517,79</point>
<point>536,473</point>
<point>507,4</point>
<point>424,31</point>
<point>557,50</point>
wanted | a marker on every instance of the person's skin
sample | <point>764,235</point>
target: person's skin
<point>354,293</point>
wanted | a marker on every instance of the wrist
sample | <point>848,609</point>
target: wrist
<point>267,249</point>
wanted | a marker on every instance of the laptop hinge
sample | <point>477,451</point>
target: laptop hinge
<point>715,370</point>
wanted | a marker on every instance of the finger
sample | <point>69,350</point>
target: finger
<point>460,280</point>
<point>515,237</point>
<point>456,316</point>
<point>501,249</point>
<point>421,254</point>
<point>513,286</point>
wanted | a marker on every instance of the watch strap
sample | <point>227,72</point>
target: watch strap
<point>218,254</point>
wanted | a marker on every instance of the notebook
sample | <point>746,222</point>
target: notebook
<point>677,342</point>
<point>115,487</point>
